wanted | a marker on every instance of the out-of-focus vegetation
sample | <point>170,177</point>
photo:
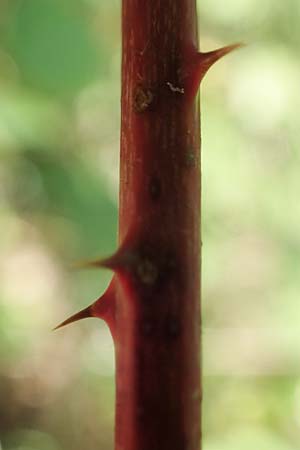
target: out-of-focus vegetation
<point>59,134</point>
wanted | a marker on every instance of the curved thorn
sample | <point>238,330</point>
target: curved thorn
<point>198,66</point>
<point>103,308</point>
<point>207,59</point>
<point>116,261</point>
<point>83,314</point>
<point>97,263</point>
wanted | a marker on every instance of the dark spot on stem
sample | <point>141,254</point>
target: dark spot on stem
<point>140,411</point>
<point>143,98</point>
<point>147,271</point>
<point>155,188</point>
<point>147,327</point>
<point>153,268</point>
<point>172,327</point>
<point>190,159</point>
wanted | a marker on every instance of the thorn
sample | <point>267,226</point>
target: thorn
<point>206,60</point>
<point>89,264</point>
<point>83,314</point>
<point>200,64</point>
<point>103,308</point>
<point>118,260</point>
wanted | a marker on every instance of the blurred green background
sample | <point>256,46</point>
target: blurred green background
<point>59,147</point>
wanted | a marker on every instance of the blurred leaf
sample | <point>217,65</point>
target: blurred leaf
<point>74,191</point>
<point>29,119</point>
<point>31,440</point>
<point>52,45</point>
<point>249,439</point>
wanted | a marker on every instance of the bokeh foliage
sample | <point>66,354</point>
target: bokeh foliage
<point>59,134</point>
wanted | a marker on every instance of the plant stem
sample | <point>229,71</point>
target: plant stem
<point>157,301</point>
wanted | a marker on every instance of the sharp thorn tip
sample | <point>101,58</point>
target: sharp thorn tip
<point>88,264</point>
<point>215,55</point>
<point>83,314</point>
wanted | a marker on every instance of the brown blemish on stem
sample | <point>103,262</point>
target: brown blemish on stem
<point>147,272</point>
<point>143,98</point>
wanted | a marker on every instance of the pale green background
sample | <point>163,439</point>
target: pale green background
<point>59,140</point>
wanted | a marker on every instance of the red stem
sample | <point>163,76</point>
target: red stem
<point>157,301</point>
